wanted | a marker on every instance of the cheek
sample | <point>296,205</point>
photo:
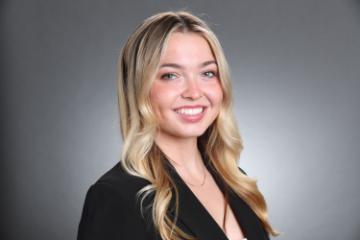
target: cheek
<point>161,97</point>
<point>155,94</point>
<point>220,95</point>
<point>215,94</point>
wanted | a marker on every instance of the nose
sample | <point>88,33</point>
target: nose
<point>192,89</point>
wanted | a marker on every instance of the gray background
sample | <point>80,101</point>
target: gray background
<point>296,74</point>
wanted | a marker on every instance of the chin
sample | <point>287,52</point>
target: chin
<point>182,131</point>
<point>190,134</point>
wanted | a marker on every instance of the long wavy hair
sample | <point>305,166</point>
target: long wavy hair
<point>221,142</point>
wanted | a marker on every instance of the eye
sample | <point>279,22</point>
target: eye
<point>168,76</point>
<point>210,74</point>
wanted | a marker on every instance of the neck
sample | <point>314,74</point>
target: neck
<point>182,153</point>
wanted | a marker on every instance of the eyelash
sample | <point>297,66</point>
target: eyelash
<point>213,73</point>
<point>164,76</point>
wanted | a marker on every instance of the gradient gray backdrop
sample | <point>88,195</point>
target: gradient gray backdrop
<point>296,74</point>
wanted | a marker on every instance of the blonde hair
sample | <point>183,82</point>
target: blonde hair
<point>222,144</point>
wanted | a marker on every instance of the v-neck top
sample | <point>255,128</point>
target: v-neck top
<point>245,217</point>
<point>111,211</point>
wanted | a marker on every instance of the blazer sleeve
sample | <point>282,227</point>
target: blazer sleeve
<point>108,215</point>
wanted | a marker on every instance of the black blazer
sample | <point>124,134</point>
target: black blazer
<point>111,211</point>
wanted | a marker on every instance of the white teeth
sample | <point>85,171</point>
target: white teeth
<point>190,111</point>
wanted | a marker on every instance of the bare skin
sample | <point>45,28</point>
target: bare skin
<point>189,78</point>
<point>208,194</point>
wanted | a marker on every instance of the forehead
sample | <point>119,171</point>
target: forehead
<point>186,48</point>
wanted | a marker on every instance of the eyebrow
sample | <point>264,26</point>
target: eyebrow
<point>175,65</point>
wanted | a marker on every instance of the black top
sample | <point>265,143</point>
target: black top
<point>111,211</point>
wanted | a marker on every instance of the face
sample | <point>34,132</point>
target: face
<point>186,94</point>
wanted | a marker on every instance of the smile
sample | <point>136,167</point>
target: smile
<point>190,111</point>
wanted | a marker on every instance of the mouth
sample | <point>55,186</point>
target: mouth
<point>190,111</point>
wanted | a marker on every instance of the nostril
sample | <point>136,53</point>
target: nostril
<point>192,95</point>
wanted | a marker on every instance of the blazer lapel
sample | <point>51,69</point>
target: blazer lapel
<point>192,214</point>
<point>245,216</point>
<point>247,219</point>
<point>195,219</point>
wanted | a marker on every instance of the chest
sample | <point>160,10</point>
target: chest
<point>213,200</point>
<point>200,212</point>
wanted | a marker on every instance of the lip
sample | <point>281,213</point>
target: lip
<point>192,118</point>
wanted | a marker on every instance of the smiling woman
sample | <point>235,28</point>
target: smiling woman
<point>188,102</point>
<point>178,176</point>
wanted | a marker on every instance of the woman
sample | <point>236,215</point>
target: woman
<point>178,177</point>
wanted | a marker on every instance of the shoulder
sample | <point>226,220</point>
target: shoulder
<point>111,209</point>
<point>118,180</point>
<point>115,186</point>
